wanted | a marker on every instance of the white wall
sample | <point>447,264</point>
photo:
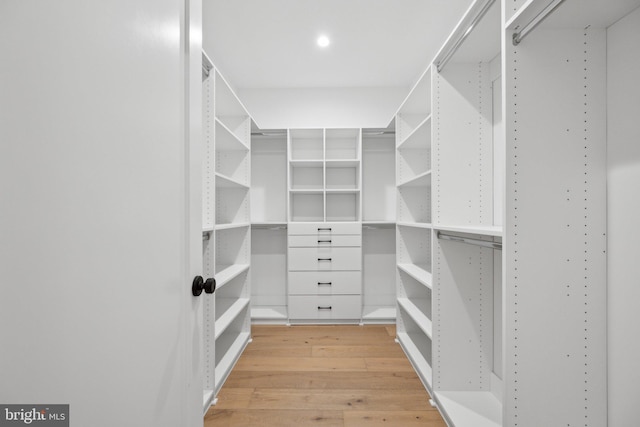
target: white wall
<point>322,107</point>
<point>623,214</point>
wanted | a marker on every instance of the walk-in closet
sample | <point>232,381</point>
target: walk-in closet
<point>331,213</point>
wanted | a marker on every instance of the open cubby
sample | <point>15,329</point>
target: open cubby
<point>307,207</point>
<point>343,178</point>
<point>307,177</point>
<point>342,144</point>
<point>343,206</point>
<point>306,144</point>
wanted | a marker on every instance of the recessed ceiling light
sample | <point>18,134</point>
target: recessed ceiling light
<point>323,41</point>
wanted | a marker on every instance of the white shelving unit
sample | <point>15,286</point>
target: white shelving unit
<point>269,226</point>
<point>324,175</point>
<point>378,225</point>
<point>226,229</point>
<point>413,231</point>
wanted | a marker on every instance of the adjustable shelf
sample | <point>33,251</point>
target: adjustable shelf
<point>419,272</point>
<point>421,180</point>
<point>231,309</point>
<point>417,315</point>
<point>229,272</point>
<point>470,408</point>
<point>223,181</point>
<point>415,224</point>
<point>419,137</point>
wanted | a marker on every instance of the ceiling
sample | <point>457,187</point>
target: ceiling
<point>374,43</point>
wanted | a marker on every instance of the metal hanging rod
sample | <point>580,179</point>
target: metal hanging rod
<point>463,36</point>
<point>517,37</point>
<point>470,241</point>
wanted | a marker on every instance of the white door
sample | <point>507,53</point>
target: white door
<point>100,209</point>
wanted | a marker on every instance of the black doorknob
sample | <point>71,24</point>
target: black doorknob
<point>199,285</point>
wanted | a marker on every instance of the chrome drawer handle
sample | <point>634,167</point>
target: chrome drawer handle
<point>328,307</point>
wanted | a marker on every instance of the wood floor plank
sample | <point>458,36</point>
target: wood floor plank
<point>380,380</point>
<point>273,418</point>
<point>234,398</point>
<point>332,399</point>
<point>429,418</point>
<point>388,364</point>
<point>284,364</point>
<point>369,351</point>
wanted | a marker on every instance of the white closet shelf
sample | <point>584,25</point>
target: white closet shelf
<point>223,367</point>
<point>470,408</point>
<point>306,191</point>
<point>418,272</point>
<point>342,190</point>
<point>227,140</point>
<point>269,224</point>
<point>223,181</point>
<point>415,224</point>
<point>342,163</point>
<point>230,314</point>
<point>306,163</point>
<point>229,272</point>
<point>207,229</point>
<point>382,223</point>
<point>276,312</point>
<point>417,315</point>
<point>422,366</point>
<point>378,313</point>
<point>486,230</point>
<point>421,180</point>
<point>419,137</point>
<point>220,227</point>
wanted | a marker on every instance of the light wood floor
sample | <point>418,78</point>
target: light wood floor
<point>338,375</point>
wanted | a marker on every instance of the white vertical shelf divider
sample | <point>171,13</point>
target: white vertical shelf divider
<point>208,222</point>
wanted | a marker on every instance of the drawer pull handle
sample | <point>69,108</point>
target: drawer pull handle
<point>324,241</point>
<point>327,307</point>
<point>324,259</point>
<point>325,283</point>
<point>324,229</point>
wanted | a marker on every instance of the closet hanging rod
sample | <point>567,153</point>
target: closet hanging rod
<point>463,35</point>
<point>470,241</point>
<point>520,35</point>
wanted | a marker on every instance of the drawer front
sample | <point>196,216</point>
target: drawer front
<point>325,282</point>
<point>325,241</point>
<point>325,259</point>
<point>325,228</point>
<point>325,307</point>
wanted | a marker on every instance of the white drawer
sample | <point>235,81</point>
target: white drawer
<point>324,240</point>
<point>325,282</point>
<point>325,259</point>
<point>325,228</point>
<point>330,307</point>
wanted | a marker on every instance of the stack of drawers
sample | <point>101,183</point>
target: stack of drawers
<point>325,271</point>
